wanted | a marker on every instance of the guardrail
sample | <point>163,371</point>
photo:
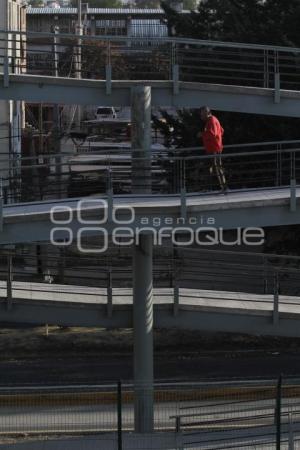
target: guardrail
<point>237,414</point>
<point>171,171</point>
<point>180,276</point>
<point>161,59</point>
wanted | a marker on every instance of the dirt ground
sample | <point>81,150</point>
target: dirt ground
<point>76,355</point>
<point>38,341</point>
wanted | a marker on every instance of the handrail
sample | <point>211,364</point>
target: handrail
<point>176,40</point>
<point>156,155</point>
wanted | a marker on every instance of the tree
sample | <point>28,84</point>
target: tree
<point>36,3</point>
<point>101,3</point>
<point>147,3</point>
<point>269,22</point>
<point>254,21</point>
<point>190,4</point>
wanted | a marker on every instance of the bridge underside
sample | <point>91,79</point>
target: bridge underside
<point>33,88</point>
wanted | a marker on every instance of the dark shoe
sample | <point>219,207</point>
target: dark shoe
<point>225,190</point>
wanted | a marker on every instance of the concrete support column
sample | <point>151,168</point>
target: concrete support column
<point>141,139</point>
<point>143,335</point>
<point>142,265</point>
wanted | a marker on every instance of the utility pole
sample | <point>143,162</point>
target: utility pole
<point>56,132</point>
<point>36,188</point>
<point>40,128</point>
<point>41,145</point>
<point>142,265</point>
<point>78,57</point>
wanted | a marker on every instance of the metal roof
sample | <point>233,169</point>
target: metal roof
<point>102,11</point>
<point>148,28</point>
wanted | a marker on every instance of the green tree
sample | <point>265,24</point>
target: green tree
<point>269,22</point>
<point>254,21</point>
<point>147,3</point>
<point>36,3</point>
<point>190,4</point>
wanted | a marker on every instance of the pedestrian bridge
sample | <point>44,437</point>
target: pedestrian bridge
<point>184,73</point>
<point>34,222</point>
<point>181,308</point>
<point>48,67</point>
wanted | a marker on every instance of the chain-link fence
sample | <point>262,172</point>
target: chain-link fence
<point>228,415</point>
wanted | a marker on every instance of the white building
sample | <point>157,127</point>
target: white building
<point>12,18</point>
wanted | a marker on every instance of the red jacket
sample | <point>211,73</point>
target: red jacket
<point>213,136</point>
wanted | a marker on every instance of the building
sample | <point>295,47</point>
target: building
<point>12,18</point>
<point>96,21</point>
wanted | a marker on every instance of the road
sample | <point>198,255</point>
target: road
<point>213,424</point>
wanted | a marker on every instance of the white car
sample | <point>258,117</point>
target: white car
<point>104,112</point>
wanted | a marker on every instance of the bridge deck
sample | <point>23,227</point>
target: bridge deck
<point>31,222</point>
<point>253,100</point>
<point>234,199</point>
<point>192,299</point>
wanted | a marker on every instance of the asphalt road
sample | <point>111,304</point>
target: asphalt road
<point>251,422</point>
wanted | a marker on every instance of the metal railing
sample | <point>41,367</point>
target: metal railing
<point>170,59</point>
<point>264,282</point>
<point>171,171</point>
<point>239,414</point>
<point>260,418</point>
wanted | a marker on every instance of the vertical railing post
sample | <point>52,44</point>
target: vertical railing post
<point>183,205</point>
<point>276,78</point>
<point>175,68</point>
<point>110,194</point>
<point>266,68</point>
<point>6,61</point>
<point>178,424</point>
<point>108,69</point>
<point>178,433</point>
<point>278,413</point>
<point>291,433</point>
<point>6,71</point>
<point>55,50</point>
<point>293,184</point>
<point>61,264</point>
<point>120,432</point>
<point>1,204</point>
<point>276,299</point>
<point>265,280</point>
<point>176,300</point>
<point>175,71</point>
<point>11,51</point>
<point>279,165</point>
<point>9,282</point>
<point>109,294</point>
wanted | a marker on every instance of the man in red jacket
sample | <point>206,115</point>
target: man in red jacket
<point>212,137</point>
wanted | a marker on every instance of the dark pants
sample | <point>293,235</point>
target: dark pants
<point>216,167</point>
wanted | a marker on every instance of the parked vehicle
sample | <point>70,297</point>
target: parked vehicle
<point>105,113</point>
